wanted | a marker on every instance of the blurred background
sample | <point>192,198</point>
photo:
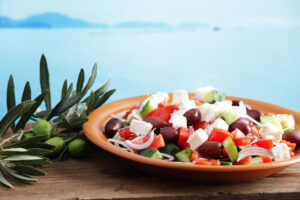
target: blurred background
<point>245,48</point>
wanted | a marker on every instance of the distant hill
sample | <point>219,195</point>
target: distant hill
<point>57,20</point>
<point>48,20</point>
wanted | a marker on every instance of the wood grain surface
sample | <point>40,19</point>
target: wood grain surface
<point>101,175</point>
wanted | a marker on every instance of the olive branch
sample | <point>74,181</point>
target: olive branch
<point>19,156</point>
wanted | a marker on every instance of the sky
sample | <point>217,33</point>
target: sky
<point>171,11</point>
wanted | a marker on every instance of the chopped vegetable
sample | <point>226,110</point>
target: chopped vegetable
<point>184,155</point>
<point>231,149</point>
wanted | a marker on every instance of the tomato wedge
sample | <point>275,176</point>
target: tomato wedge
<point>245,160</point>
<point>158,142</point>
<point>266,159</point>
<point>242,141</point>
<point>163,112</point>
<point>194,156</point>
<point>184,135</point>
<point>125,133</point>
<point>264,143</point>
<point>218,135</point>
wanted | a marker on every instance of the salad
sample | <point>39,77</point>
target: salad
<point>203,129</point>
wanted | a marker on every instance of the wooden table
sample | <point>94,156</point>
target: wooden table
<point>101,175</point>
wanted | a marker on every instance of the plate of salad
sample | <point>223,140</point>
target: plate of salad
<point>204,135</point>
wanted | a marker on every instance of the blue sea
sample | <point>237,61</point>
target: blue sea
<point>260,63</point>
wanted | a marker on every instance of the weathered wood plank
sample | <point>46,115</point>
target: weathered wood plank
<point>101,175</point>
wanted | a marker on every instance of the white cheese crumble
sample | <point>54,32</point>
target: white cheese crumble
<point>281,152</point>
<point>271,131</point>
<point>178,120</point>
<point>218,123</point>
<point>140,127</point>
<point>181,98</point>
<point>197,139</point>
<point>135,114</point>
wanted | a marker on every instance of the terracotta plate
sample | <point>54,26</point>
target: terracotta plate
<point>93,129</point>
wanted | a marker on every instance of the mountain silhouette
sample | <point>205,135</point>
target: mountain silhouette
<point>57,20</point>
<point>48,20</point>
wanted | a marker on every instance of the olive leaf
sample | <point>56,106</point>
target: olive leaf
<point>28,170</point>
<point>80,81</point>
<point>12,115</point>
<point>103,99</point>
<point>64,88</point>
<point>26,92</point>
<point>4,181</point>
<point>77,97</point>
<point>26,117</point>
<point>10,96</point>
<point>57,109</point>
<point>44,81</point>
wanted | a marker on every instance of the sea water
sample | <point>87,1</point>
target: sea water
<point>260,63</point>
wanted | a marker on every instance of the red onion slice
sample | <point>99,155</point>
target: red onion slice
<point>119,142</point>
<point>168,156</point>
<point>253,151</point>
<point>141,146</point>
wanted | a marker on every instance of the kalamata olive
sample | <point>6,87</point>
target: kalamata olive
<point>156,123</point>
<point>193,116</point>
<point>237,103</point>
<point>244,119</point>
<point>169,134</point>
<point>112,126</point>
<point>255,114</point>
<point>241,125</point>
<point>211,149</point>
<point>292,136</point>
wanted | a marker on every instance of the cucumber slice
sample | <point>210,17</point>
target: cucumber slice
<point>184,155</point>
<point>226,163</point>
<point>229,116</point>
<point>170,148</point>
<point>256,160</point>
<point>231,149</point>
<point>270,119</point>
<point>287,121</point>
<point>213,96</point>
<point>287,130</point>
<point>151,153</point>
<point>149,106</point>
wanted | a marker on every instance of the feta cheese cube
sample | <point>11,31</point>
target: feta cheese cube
<point>187,105</point>
<point>180,96</point>
<point>161,97</point>
<point>135,114</point>
<point>140,127</point>
<point>218,123</point>
<point>209,112</point>
<point>281,152</point>
<point>178,120</point>
<point>269,130</point>
<point>200,91</point>
<point>197,139</point>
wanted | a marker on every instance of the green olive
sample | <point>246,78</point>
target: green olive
<point>58,143</point>
<point>76,147</point>
<point>27,135</point>
<point>42,127</point>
